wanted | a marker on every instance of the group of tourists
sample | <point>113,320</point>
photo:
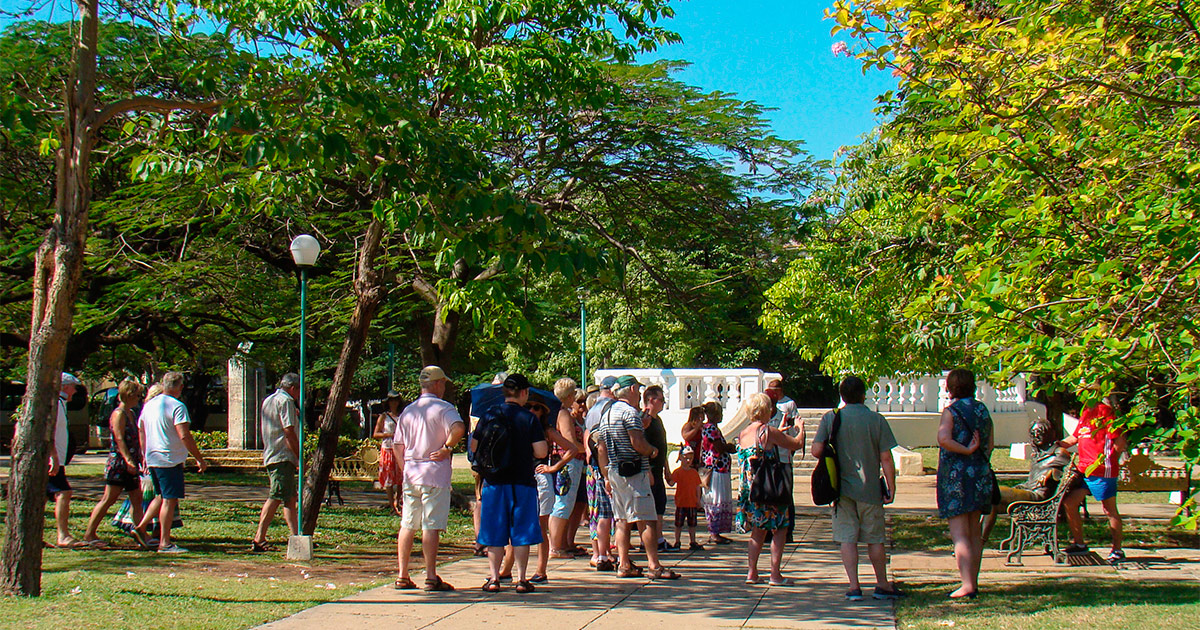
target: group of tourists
<point>603,458</point>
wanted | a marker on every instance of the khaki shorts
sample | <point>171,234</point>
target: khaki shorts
<point>631,498</point>
<point>855,522</point>
<point>425,507</point>
<point>283,480</point>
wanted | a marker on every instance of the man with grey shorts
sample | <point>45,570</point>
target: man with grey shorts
<point>625,463</point>
<point>864,447</point>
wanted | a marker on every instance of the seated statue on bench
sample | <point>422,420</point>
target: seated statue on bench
<point>1046,470</point>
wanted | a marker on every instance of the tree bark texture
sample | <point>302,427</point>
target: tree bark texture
<point>58,269</point>
<point>438,336</point>
<point>369,293</point>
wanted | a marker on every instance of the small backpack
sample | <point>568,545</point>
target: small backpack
<point>493,442</point>
<point>825,488</point>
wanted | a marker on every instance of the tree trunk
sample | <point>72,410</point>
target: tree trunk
<point>438,337</point>
<point>58,269</point>
<point>369,293</point>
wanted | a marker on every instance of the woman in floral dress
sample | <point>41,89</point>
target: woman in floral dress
<point>714,454</point>
<point>759,440</point>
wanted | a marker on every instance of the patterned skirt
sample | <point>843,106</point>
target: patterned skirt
<point>389,472</point>
<point>599,505</point>
<point>718,503</point>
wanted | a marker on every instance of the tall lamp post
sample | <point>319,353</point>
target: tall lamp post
<point>582,341</point>
<point>305,250</point>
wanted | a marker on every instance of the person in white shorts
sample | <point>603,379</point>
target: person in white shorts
<point>423,445</point>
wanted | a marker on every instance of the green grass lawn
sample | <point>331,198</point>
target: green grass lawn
<point>1000,460</point>
<point>127,588</point>
<point>931,534</point>
<point>1040,603</point>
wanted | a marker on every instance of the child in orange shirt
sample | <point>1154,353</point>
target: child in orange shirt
<point>687,496</point>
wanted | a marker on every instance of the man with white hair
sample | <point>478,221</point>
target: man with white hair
<point>58,489</point>
<point>166,433</point>
<point>281,455</point>
<point>625,463</point>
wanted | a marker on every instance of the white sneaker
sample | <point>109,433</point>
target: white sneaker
<point>172,548</point>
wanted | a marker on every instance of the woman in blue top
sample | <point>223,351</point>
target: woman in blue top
<point>964,478</point>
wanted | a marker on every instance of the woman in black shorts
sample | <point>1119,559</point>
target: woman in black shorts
<point>122,472</point>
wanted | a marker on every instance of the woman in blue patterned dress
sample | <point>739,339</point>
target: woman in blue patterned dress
<point>755,441</point>
<point>964,478</point>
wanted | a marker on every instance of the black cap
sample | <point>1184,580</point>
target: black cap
<point>516,381</point>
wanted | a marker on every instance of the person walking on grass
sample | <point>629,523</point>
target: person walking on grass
<point>122,471</point>
<point>281,455</point>
<point>58,489</point>
<point>426,435</point>
<point>166,432</point>
<point>506,441</point>
<point>864,448</point>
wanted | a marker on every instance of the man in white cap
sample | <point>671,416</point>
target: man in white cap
<point>58,489</point>
<point>426,435</point>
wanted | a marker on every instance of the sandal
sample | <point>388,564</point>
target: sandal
<point>631,572</point>
<point>70,543</point>
<point>563,554</point>
<point>261,547</point>
<point>696,547</point>
<point>96,543</point>
<point>524,587</point>
<point>663,573</point>
<point>491,586</point>
<point>404,584</point>
<point>438,584</point>
<point>480,551</point>
<point>605,566</point>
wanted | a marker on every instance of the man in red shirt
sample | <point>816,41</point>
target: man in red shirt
<point>1100,448</point>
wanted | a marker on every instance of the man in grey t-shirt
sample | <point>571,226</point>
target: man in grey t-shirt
<point>864,444</point>
<point>281,453</point>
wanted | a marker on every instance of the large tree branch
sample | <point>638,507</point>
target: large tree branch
<point>151,104</point>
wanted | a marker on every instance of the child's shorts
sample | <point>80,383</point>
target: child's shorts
<point>686,515</point>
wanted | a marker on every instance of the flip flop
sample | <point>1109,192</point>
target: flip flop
<point>96,543</point>
<point>71,543</point>
<point>754,581</point>
<point>140,538</point>
<point>787,581</point>
<point>663,573</point>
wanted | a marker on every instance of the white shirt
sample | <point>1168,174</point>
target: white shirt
<point>60,431</point>
<point>785,406</point>
<point>164,448</point>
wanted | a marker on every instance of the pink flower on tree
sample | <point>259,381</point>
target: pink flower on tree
<point>840,48</point>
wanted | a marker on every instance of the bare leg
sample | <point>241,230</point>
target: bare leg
<point>964,533</point>
<point>544,548</point>
<point>692,533</point>
<point>558,534</point>
<point>573,525</point>
<point>166,515</point>
<point>521,554</point>
<point>495,559</point>
<point>778,542</point>
<point>430,539</point>
<point>754,550</point>
<point>850,563</point>
<point>878,556</point>
<point>509,559</point>
<point>649,532</point>
<point>1115,525</point>
<point>111,494</point>
<point>623,558</point>
<point>679,532</point>
<point>152,511</point>
<point>1071,505</point>
<point>270,506</point>
<point>62,515</point>
<point>605,536</point>
<point>290,516</point>
<point>135,506</point>
<point>404,546</point>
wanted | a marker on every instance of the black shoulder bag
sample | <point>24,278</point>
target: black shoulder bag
<point>769,481</point>
<point>825,476</point>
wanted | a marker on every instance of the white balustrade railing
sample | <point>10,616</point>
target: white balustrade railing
<point>928,394</point>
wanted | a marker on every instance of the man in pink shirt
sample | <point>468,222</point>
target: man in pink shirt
<point>425,438</point>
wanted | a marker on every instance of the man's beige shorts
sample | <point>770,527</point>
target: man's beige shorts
<point>855,522</point>
<point>425,507</point>
<point>631,498</point>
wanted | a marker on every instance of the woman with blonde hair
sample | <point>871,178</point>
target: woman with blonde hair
<point>568,480</point>
<point>122,471</point>
<point>758,441</point>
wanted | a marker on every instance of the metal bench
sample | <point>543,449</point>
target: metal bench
<point>1142,474</point>
<point>1034,522</point>
<point>363,465</point>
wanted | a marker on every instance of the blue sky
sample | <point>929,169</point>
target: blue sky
<point>777,53</point>
<point>773,52</point>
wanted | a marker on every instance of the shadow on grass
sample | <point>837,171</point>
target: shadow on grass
<point>152,595</point>
<point>1043,594</point>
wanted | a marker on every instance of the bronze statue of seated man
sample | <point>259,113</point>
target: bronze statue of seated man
<point>1045,471</point>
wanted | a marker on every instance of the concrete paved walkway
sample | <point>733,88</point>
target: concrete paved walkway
<point>711,594</point>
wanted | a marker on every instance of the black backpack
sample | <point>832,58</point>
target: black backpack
<point>825,488</point>
<point>493,439</point>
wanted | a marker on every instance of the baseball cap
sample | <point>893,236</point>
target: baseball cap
<point>395,394</point>
<point>607,382</point>
<point>432,373</point>
<point>516,381</point>
<point>69,379</point>
<point>626,381</point>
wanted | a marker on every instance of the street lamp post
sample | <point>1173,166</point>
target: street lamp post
<point>305,250</point>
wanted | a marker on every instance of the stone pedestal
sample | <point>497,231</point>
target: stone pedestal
<point>245,388</point>
<point>908,463</point>
<point>299,548</point>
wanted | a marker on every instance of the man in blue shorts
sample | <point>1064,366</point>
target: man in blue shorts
<point>508,511</point>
